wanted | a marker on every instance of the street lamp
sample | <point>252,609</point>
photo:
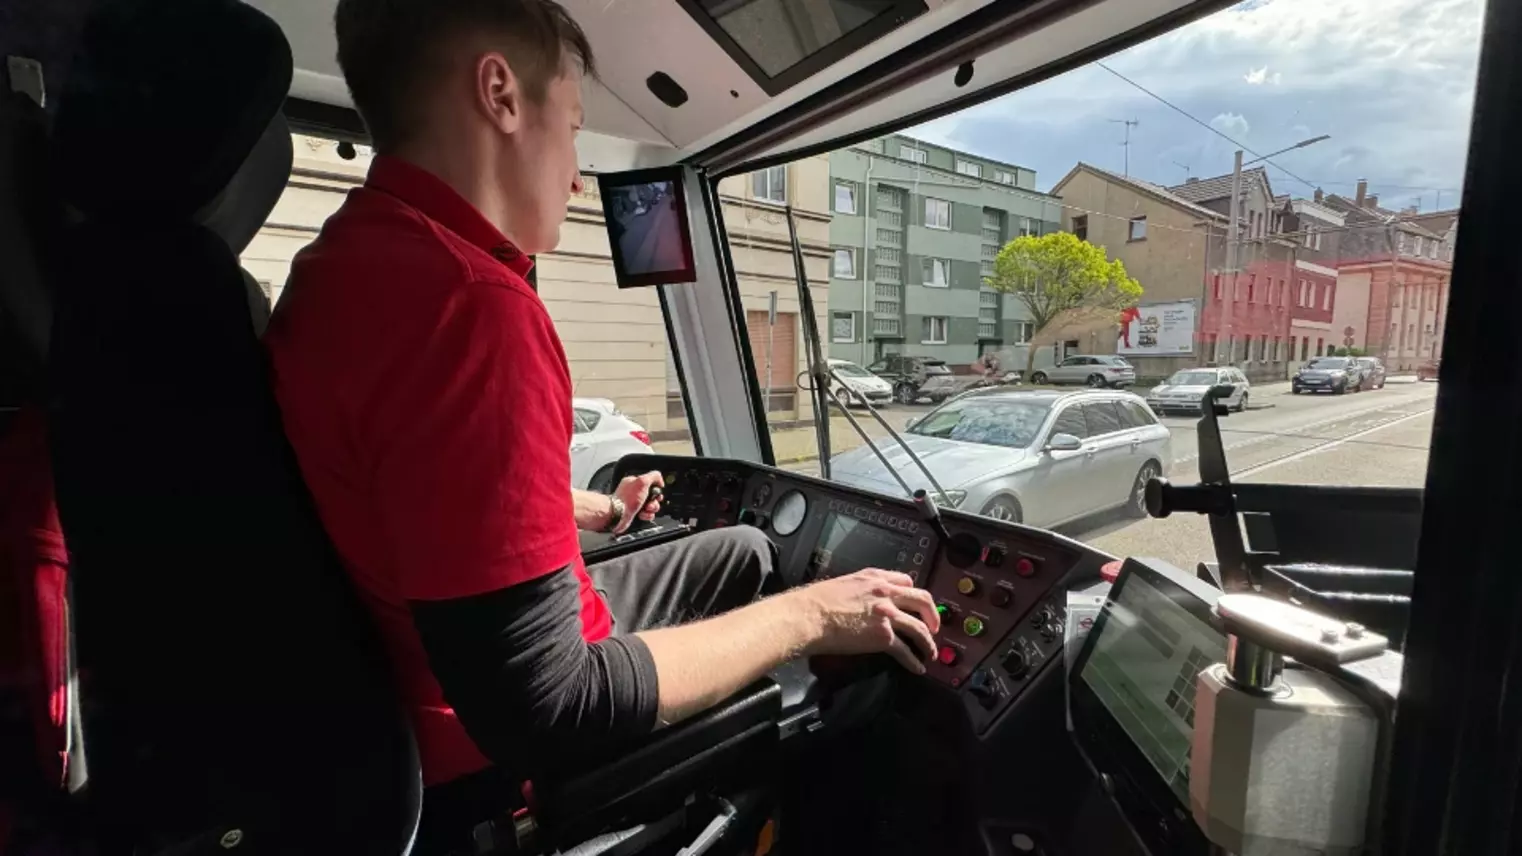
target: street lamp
<point>1236,192</point>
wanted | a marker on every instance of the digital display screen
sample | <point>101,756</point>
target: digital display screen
<point>1146,651</point>
<point>648,231</point>
<point>847,545</point>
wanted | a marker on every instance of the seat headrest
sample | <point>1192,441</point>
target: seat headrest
<point>239,211</point>
<point>165,101</point>
<point>28,221</point>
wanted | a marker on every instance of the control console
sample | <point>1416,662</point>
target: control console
<point>1000,588</point>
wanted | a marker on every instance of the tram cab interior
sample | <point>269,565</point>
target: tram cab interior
<point>224,693</point>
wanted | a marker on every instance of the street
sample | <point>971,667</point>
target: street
<point>1370,438</point>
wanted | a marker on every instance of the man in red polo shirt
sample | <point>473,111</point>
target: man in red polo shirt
<point>427,396</point>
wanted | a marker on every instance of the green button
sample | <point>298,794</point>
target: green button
<point>973,626</point>
<point>941,609</point>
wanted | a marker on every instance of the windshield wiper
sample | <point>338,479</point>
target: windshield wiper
<point>820,374</point>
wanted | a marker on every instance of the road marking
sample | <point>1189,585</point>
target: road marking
<point>1297,431</point>
<point>1327,446</point>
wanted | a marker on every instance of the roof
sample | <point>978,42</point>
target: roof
<point>1144,187</point>
<point>1374,214</point>
<point>1218,187</point>
<point>919,143</point>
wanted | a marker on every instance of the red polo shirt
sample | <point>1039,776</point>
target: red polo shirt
<point>427,396</point>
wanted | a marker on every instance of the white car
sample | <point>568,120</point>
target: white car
<point>601,436</point>
<point>1039,457</point>
<point>861,383</point>
<point>1184,391</point>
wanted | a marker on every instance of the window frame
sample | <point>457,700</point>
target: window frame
<point>928,224</point>
<point>927,336</point>
<point>837,315</point>
<point>914,155</point>
<point>835,263</point>
<point>768,173</point>
<point>1074,407</point>
<point>1131,224</point>
<point>927,268</point>
<point>850,188</point>
<point>975,167</point>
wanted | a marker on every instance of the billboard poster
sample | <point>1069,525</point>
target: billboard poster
<point>1157,330</point>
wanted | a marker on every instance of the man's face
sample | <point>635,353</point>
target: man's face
<point>543,173</point>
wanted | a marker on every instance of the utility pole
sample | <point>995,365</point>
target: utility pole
<point>1129,123</point>
<point>1233,258</point>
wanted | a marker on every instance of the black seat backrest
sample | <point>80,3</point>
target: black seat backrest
<point>233,689</point>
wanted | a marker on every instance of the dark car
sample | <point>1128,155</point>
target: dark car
<point>914,378</point>
<point>1328,374</point>
<point>1428,370</point>
<point>1373,372</point>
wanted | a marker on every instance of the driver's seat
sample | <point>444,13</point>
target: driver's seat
<point>234,696</point>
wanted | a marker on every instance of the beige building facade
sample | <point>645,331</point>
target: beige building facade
<point>615,339</point>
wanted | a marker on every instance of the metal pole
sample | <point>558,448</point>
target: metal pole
<point>771,329</point>
<point>1234,259</point>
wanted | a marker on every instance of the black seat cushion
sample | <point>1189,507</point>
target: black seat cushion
<point>230,677</point>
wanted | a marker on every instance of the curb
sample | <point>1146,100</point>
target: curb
<point>796,459</point>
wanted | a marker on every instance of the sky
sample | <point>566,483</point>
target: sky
<point>1391,82</point>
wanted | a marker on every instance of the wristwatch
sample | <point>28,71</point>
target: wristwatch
<point>617,515</point>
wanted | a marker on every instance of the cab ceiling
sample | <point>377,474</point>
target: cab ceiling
<point>628,126</point>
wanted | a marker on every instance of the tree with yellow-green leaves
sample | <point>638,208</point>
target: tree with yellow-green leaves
<point>1062,280</point>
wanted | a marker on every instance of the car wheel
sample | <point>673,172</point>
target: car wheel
<point>1096,381</point>
<point>602,480</point>
<point>1242,405</point>
<point>905,394</point>
<point>1295,390</point>
<point>1038,378</point>
<point>1004,508</point>
<point>1136,506</point>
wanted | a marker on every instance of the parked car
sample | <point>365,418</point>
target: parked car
<point>1184,391</point>
<point>1328,374</point>
<point>860,383</point>
<point>601,434</point>
<point>1428,370</point>
<point>1093,371</point>
<point>1038,456</point>
<point>1373,371</point>
<point>914,378</point>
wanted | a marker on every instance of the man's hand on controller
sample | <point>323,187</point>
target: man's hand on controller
<point>873,611</point>
<point>634,493</point>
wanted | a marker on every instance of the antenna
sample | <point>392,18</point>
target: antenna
<point>1185,168</point>
<point>1129,123</point>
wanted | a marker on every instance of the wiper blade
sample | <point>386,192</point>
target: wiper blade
<point>891,433</point>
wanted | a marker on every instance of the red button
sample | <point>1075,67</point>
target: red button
<point>1110,571</point>
<point>1025,567</point>
<point>947,655</point>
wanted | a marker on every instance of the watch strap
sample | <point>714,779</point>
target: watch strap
<point>617,515</point>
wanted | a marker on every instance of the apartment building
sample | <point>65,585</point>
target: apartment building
<point>615,339</point>
<point>1317,231</point>
<point>914,233</point>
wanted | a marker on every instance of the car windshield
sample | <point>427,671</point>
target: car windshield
<point>936,368</point>
<point>1368,363</point>
<point>1192,379</point>
<point>995,422</point>
<point>849,370</point>
<point>1328,364</point>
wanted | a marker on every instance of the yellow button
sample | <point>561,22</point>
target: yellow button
<point>972,626</point>
<point>967,585</point>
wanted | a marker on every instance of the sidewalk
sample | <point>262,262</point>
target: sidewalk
<point>796,445</point>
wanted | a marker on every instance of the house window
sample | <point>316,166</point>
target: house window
<point>1275,357</point>
<point>1432,249</point>
<point>969,168</point>
<point>937,213</point>
<point>1326,297</point>
<point>842,327</point>
<point>845,197</point>
<point>1138,229</point>
<point>1023,332</point>
<point>1305,348</point>
<point>845,264</point>
<point>1318,239</point>
<point>1004,177</point>
<point>1400,243</point>
<point>1081,227</point>
<point>1217,286</point>
<point>1311,300</point>
<point>770,185</point>
<point>1283,294</point>
<point>1417,251</point>
<point>913,154</point>
<point>1300,298</point>
<point>934,330</point>
<point>1252,285</point>
<point>937,273</point>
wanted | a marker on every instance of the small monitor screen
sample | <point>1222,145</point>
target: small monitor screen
<point>1144,654</point>
<point>648,230</point>
<point>847,545</point>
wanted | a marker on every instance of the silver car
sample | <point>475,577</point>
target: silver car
<point>1040,457</point>
<point>1093,371</point>
<point>1184,391</point>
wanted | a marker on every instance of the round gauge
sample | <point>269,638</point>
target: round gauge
<point>789,514</point>
<point>763,495</point>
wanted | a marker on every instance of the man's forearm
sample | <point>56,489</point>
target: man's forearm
<point>699,665</point>
<point>593,511</point>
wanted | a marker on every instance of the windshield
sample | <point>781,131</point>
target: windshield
<point>1328,364</point>
<point>850,370</point>
<point>992,422</point>
<point>1192,379</point>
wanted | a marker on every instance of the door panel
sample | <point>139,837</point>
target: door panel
<point>1111,470</point>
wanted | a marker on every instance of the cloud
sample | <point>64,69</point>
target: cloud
<point>1391,83</point>
<point>1233,125</point>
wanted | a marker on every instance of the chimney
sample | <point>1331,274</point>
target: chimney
<point>1192,180</point>
<point>1319,195</point>
<point>1373,201</point>
<point>1409,210</point>
<point>1363,190</point>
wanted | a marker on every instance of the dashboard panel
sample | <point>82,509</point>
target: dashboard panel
<point>1000,587</point>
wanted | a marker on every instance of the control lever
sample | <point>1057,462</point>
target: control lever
<point>932,514</point>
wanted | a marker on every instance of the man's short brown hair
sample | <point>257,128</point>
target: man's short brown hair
<point>391,50</point>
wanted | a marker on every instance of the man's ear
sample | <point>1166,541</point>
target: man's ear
<point>498,93</point>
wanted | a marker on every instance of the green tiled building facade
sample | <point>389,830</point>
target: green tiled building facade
<point>915,230</point>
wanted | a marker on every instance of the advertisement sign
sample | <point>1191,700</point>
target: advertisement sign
<point>1157,330</point>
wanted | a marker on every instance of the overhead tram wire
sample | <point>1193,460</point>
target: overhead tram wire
<point>1206,125</point>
